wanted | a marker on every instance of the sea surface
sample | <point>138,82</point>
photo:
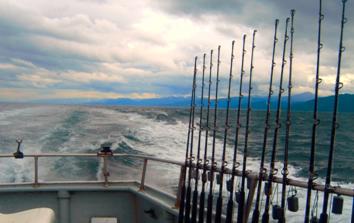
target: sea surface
<point>162,132</point>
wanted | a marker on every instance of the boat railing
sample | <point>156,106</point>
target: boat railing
<point>251,175</point>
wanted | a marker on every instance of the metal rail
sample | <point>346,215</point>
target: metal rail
<point>250,175</point>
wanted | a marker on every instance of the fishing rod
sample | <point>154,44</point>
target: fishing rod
<point>285,171</point>
<point>190,173</point>
<point>338,86</point>
<point>226,129</point>
<point>241,207</point>
<point>189,144</point>
<point>316,121</point>
<point>235,164</point>
<point>204,174</point>
<point>198,161</point>
<point>213,163</point>
<point>262,170</point>
<point>273,171</point>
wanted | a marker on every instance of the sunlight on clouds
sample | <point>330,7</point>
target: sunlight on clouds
<point>129,46</point>
<point>24,94</point>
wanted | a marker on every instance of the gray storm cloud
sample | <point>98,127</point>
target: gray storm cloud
<point>146,48</point>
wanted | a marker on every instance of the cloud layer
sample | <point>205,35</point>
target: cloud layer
<point>108,49</point>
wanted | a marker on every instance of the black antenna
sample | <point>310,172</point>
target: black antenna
<point>273,171</point>
<point>204,174</point>
<point>213,163</point>
<point>226,129</point>
<point>235,164</point>
<point>241,207</point>
<point>262,170</point>
<point>189,143</point>
<point>316,121</point>
<point>198,161</point>
<point>285,170</point>
<point>335,125</point>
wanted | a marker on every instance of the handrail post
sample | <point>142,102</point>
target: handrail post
<point>252,188</point>
<point>35,183</point>
<point>142,182</point>
<point>105,171</point>
<point>180,184</point>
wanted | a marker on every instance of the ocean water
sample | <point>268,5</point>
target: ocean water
<point>160,132</point>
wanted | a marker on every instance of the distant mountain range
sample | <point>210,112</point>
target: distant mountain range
<point>300,102</point>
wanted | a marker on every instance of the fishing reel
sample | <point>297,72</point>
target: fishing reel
<point>277,212</point>
<point>293,200</point>
<point>337,204</point>
<point>18,154</point>
<point>195,174</point>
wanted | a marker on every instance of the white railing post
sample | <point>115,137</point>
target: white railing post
<point>35,184</point>
<point>142,182</point>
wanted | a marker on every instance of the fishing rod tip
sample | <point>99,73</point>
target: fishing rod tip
<point>293,12</point>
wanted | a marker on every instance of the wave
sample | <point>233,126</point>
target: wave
<point>147,131</point>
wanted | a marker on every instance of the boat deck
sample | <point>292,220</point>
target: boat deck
<point>82,202</point>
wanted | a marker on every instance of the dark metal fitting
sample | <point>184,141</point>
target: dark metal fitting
<point>321,16</point>
<point>342,49</point>
<point>337,125</point>
<point>237,164</point>
<point>274,171</point>
<point>319,80</point>
<point>340,85</point>
<point>285,172</point>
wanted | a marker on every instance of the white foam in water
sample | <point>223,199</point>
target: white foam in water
<point>39,124</point>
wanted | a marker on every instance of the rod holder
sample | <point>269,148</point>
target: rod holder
<point>105,149</point>
<point>18,154</point>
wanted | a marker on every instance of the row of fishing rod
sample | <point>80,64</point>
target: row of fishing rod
<point>192,206</point>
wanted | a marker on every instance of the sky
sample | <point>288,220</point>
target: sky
<point>95,49</point>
